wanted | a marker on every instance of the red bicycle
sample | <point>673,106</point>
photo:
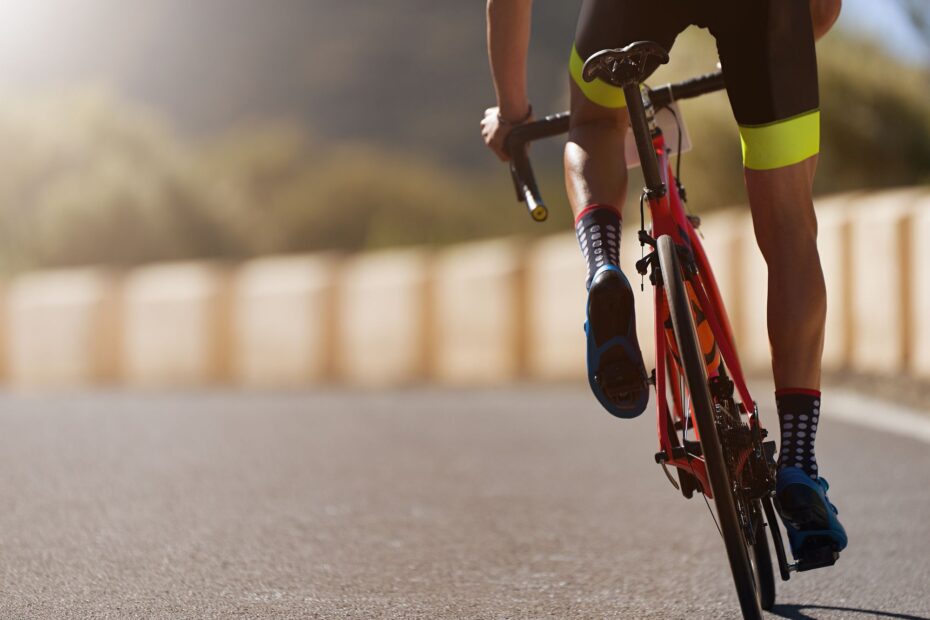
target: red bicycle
<point>708,423</point>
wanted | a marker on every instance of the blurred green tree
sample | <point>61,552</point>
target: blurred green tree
<point>87,178</point>
<point>90,178</point>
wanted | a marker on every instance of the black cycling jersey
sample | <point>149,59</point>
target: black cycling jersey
<point>766,49</point>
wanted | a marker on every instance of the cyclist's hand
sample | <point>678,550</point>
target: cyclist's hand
<point>495,132</point>
<point>495,129</point>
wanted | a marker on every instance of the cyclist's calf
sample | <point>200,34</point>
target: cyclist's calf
<point>595,162</point>
<point>786,229</point>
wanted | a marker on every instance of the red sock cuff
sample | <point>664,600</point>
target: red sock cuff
<point>594,206</point>
<point>805,391</point>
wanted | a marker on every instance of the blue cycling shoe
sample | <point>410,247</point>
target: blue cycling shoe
<point>615,363</point>
<point>814,532</point>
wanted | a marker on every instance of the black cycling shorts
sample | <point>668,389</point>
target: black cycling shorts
<point>766,49</point>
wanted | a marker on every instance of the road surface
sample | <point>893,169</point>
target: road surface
<point>511,503</point>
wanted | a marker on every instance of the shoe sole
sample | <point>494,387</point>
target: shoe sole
<point>611,316</point>
<point>803,508</point>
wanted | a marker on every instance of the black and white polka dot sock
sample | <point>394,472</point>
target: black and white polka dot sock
<point>598,229</point>
<point>798,415</point>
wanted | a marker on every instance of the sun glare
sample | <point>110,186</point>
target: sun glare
<point>31,29</point>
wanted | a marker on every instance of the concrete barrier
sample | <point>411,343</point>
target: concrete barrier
<point>880,268</point>
<point>920,288</point>
<point>5,332</point>
<point>177,325</point>
<point>556,309</point>
<point>384,331</point>
<point>481,313</point>
<point>284,321</point>
<point>752,337</point>
<point>478,313</point>
<point>834,243</point>
<point>643,293</point>
<point>64,328</point>
<point>723,237</point>
<point>556,301</point>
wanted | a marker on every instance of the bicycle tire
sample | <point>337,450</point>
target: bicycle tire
<point>692,361</point>
<point>760,555</point>
<point>762,563</point>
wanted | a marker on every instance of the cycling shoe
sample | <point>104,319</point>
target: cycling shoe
<point>814,531</point>
<point>615,363</point>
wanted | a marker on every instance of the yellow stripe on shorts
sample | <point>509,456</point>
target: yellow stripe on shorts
<point>782,143</point>
<point>598,91</point>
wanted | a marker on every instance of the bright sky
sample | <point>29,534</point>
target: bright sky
<point>30,29</point>
<point>884,21</point>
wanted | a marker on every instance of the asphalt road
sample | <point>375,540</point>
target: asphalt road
<point>511,503</point>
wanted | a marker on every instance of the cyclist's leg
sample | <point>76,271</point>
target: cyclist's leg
<point>767,51</point>
<point>595,163</point>
<point>824,14</point>
<point>595,166</point>
<point>786,230</point>
<point>768,57</point>
<point>596,181</point>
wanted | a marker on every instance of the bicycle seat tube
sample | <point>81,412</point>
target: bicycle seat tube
<point>647,153</point>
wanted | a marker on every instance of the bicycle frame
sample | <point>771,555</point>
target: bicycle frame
<point>669,218</point>
<point>742,462</point>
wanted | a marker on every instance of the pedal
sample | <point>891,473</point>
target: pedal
<point>816,553</point>
<point>821,559</point>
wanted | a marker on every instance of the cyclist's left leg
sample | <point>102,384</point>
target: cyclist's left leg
<point>595,179</point>
<point>767,52</point>
<point>596,182</point>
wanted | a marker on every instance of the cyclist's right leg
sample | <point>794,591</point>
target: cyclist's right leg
<point>769,60</point>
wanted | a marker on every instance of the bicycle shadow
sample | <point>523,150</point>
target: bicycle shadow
<point>795,612</point>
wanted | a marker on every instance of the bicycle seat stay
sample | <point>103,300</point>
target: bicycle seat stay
<point>626,66</point>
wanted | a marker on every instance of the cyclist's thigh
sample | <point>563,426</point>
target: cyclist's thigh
<point>606,24</point>
<point>767,52</point>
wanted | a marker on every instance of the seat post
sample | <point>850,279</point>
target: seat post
<point>647,153</point>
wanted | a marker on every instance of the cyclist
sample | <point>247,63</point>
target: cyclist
<point>767,54</point>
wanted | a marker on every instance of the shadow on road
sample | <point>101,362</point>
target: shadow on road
<point>796,612</point>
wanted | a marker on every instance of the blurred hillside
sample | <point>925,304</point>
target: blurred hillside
<point>235,128</point>
<point>405,74</point>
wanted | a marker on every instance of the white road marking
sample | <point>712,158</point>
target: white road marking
<point>878,414</point>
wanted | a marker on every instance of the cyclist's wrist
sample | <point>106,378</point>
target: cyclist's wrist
<point>515,116</point>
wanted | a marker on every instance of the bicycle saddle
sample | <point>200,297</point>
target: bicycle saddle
<point>629,65</point>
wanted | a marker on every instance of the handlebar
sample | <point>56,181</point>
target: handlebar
<point>518,140</point>
<point>663,96</point>
<point>524,181</point>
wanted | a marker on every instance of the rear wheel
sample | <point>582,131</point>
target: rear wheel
<point>746,580</point>
<point>761,558</point>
